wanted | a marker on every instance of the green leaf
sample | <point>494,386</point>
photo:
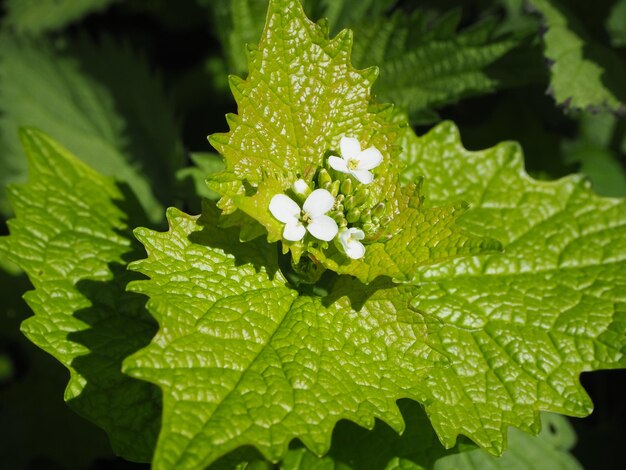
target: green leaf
<point>38,16</point>
<point>616,24</point>
<point>204,165</point>
<point>69,237</point>
<point>345,13</point>
<point>592,150</point>
<point>519,327</point>
<point>243,360</point>
<point>151,129</point>
<point>32,407</point>
<point>119,123</point>
<point>238,23</point>
<point>301,121</point>
<point>426,64</point>
<point>524,452</point>
<point>584,74</point>
<point>516,18</point>
<point>33,410</point>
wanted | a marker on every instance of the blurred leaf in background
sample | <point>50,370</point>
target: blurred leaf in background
<point>102,101</point>
<point>600,151</point>
<point>616,24</point>
<point>585,74</point>
<point>39,16</point>
<point>427,62</point>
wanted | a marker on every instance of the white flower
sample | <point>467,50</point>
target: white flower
<point>356,162</point>
<point>311,217</point>
<point>349,239</point>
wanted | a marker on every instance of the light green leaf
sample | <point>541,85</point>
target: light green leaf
<point>519,327</point>
<point>418,236</point>
<point>584,74</point>
<point>482,343</point>
<point>243,360</point>
<point>69,237</point>
<point>301,121</point>
<point>119,123</point>
<point>38,16</point>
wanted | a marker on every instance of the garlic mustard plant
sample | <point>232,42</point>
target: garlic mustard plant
<point>319,297</point>
<point>355,161</point>
<point>311,217</point>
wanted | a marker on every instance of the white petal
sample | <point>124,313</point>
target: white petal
<point>350,148</point>
<point>369,158</point>
<point>294,231</point>
<point>364,176</point>
<point>323,228</point>
<point>338,164</point>
<point>284,208</point>
<point>356,233</point>
<point>301,187</point>
<point>348,238</point>
<point>318,203</point>
<point>355,249</point>
<point>344,237</point>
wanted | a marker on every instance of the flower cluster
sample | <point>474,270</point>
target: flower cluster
<point>333,211</point>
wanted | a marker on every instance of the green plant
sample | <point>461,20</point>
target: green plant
<point>343,272</point>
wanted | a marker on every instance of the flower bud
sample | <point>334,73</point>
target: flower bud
<point>384,221</point>
<point>334,188</point>
<point>349,202</point>
<point>366,216</point>
<point>379,209</point>
<point>339,199</point>
<point>353,215</point>
<point>360,196</point>
<point>338,217</point>
<point>301,188</point>
<point>369,228</point>
<point>346,186</point>
<point>323,178</point>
